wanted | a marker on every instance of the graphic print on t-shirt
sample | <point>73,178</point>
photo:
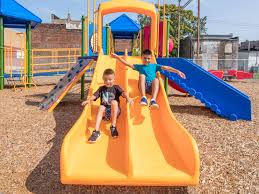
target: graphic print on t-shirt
<point>107,94</point>
<point>107,97</point>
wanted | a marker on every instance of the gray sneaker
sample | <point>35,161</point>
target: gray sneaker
<point>94,137</point>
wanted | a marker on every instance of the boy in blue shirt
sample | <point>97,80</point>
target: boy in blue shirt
<point>148,82</point>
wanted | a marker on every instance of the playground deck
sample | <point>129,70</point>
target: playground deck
<point>30,144</point>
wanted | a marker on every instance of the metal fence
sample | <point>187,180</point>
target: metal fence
<point>45,62</point>
<point>249,65</point>
<point>15,62</point>
<point>54,60</point>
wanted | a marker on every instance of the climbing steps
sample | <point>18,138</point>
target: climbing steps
<point>65,84</point>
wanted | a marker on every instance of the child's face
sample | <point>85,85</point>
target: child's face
<point>109,80</point>
<point>146,59</point>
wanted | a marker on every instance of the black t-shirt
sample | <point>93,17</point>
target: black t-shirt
<point>107,94</point>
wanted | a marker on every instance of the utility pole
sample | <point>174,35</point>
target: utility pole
<point>198,29</point>
<point>180,8</point>
<point>179,27</point>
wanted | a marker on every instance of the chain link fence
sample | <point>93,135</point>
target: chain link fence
<point>247,65</point>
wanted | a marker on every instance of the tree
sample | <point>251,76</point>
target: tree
<point>143,20</point>
<point>188,22</point>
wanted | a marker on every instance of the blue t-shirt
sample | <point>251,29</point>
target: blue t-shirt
<point>148,70</point>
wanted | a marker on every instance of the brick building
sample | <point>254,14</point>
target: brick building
<point>55,36</point>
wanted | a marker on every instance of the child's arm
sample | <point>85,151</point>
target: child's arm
<point>129,100</point>
<point>88,100</point>
<point>173,70</point>
<point>122,60</point>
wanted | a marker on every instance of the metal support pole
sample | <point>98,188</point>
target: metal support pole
<point>133,43</point>
<point>95,18</point>
<point>88,10</point>
<point>83,54</point>
<point>108,42</point>
<point>167,37</point>
<point>167,53</point>
<point>179,27</point>
<point>1,53</point>
<point>158,27</point>
<point>198,30</point>
<point>164,10</point>
<point>140,40</point>
<point>28,46</point>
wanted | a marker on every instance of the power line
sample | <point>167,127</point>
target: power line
<point>233,23</point>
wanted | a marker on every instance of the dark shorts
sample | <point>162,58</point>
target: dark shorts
<point>108,113</point>
<point>148,86</point>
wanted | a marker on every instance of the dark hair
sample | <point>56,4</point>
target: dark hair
<point>147,52</point>
<point>108,72</point>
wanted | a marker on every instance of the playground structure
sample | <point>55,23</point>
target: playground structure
<point>20,68</point>
<point>127,161</point>
<point>44,62</point>
<point>14,57</point>
<point>124,28</point>
<point>13,15</point>
<point>20,63</point>
<point>57,61</point>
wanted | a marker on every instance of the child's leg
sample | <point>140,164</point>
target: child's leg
<point>155,88</point>
<point>115,109</point>
<point>142,86</point>
<point>99,117</point>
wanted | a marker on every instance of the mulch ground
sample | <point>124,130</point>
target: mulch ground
<point>31,140</point>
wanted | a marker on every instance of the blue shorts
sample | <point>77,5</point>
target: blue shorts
<point>148,86</point>
<point>108,113</point>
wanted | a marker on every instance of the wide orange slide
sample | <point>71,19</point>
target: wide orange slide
<point>153,148</point>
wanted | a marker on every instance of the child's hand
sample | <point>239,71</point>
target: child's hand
<point>85,102</point>
<point>114,55</point>
<point>130,101</point>
<point>182,75</point>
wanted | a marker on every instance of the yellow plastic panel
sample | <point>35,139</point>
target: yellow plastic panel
<point>134,6</point>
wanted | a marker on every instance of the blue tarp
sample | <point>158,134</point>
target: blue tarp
<point>16,16</point>
<point>124,27</point>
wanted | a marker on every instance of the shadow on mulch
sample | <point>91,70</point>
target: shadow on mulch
<point>45,178</point>
<point>68,100</point>
<point>179,95</point>
<point>41,95</point>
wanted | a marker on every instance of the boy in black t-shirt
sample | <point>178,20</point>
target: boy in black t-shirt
<point>110,104</point>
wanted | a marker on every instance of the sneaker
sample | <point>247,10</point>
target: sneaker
<point>143,101</point>
<point>94,137</point>
<point>114,132</point>
<point>153,104</point>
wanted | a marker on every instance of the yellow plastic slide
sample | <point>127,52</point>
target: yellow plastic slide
<point>153,148</point>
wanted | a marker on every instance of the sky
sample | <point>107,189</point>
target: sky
<point>238,17</point>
